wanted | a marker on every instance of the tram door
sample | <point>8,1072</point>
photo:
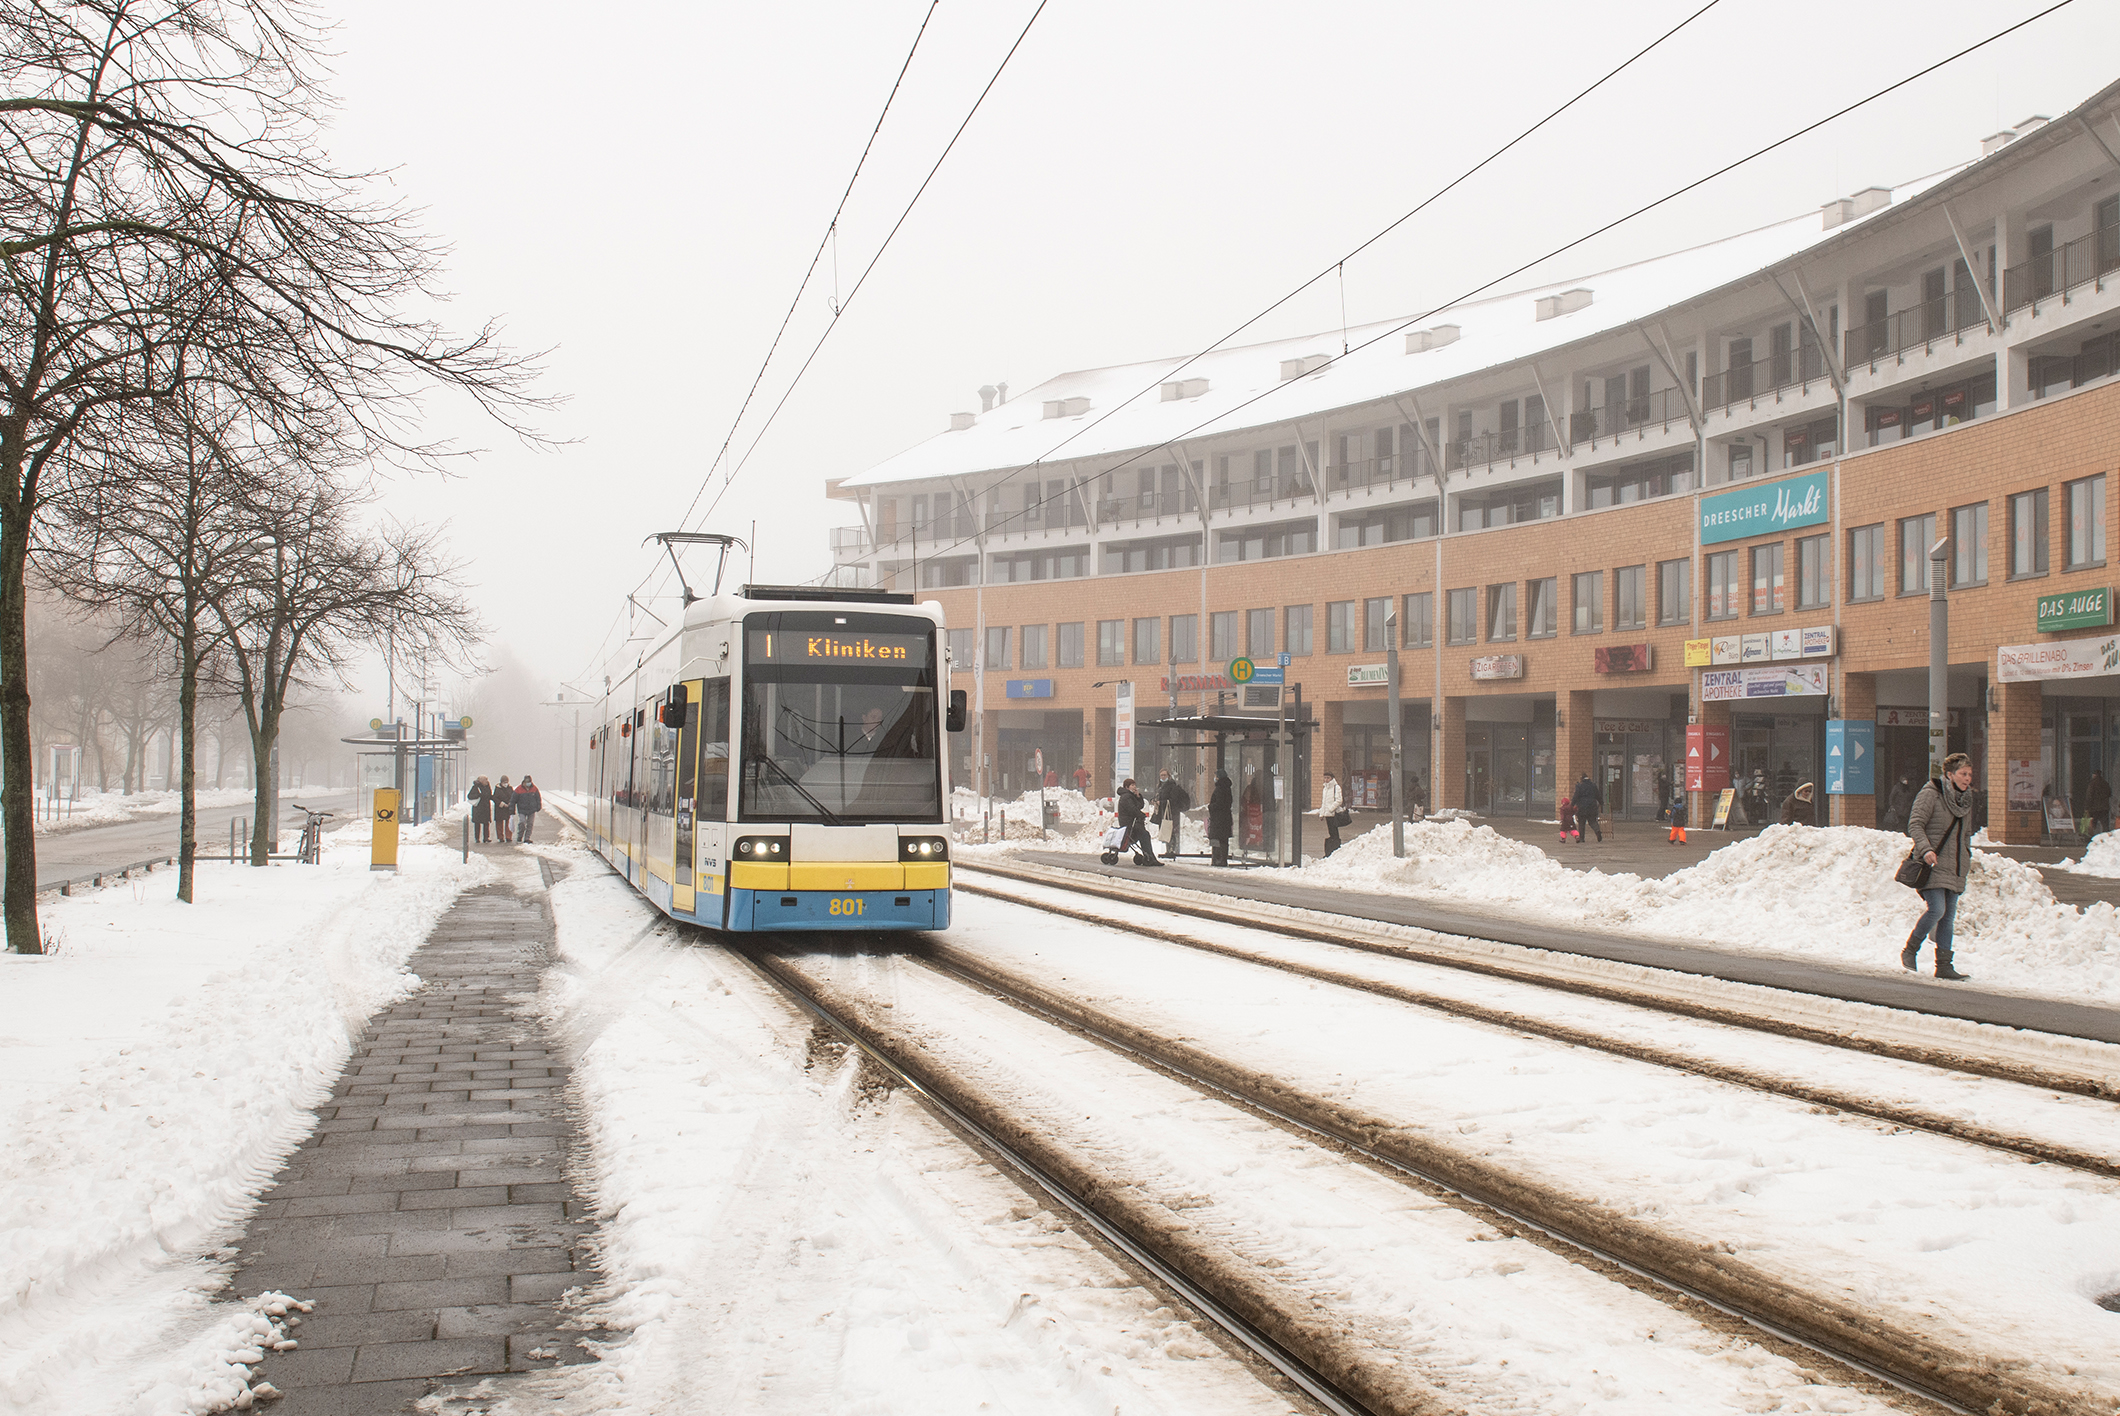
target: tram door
<point>681,882</point>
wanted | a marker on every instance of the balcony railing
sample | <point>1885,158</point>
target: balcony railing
<point>1386,472</point>
<point>850,543</point>
<point>1662,410</point>
<point>2079,262</point>
<point>1740,383</point>
<point>1232,496</point>
<point>1920,326</point>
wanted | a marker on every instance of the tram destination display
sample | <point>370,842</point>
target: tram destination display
<point>862,648</point>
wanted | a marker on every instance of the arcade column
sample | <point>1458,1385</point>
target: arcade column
<point>1705,780</point>
<point>1328,752</point>
<point>1446,782</point>
<point>1858,703</point>
<point>2013,733</point>
<point>1575,743</point>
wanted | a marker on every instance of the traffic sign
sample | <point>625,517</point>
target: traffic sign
<point>1285,658</point>
<point>1241,670</point>
<point>1267,677</point>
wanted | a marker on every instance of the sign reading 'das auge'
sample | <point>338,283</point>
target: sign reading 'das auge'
<point>2078,609</point>
<point>1765,509</point>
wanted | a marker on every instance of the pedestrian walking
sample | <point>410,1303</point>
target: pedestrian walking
<point>1082,780</point>
<point>504,811</point>
<point>1939,826</point>
<point>481,795</point>
<point>1132,808</point>
<point>1797,810</point>
<point>1172,801</point>
<point>1589,802</point>
<point>2098,802</point>
<point>1569,830</point>
<point>1678,817</point>
<point>1221,817</point>
<point>528,802</point>
<point>1899,804</point>
<point>1331,808</point>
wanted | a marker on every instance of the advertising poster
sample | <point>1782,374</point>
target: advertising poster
<point>1794,681</point>
<point>2067,659</point>
<point>2024,784</point>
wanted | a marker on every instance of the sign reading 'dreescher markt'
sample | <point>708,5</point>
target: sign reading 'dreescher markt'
<point>2079,609</point>
<point>1765,509</point>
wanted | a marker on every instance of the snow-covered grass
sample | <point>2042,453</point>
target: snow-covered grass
<point>109,808</point>
<point>160,1064</point>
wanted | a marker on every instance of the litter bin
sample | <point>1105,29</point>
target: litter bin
<point>1052,815</point>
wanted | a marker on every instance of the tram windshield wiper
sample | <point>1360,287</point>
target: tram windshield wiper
<point>786,776</point>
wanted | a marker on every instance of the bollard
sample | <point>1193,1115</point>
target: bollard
<point>467,839</point>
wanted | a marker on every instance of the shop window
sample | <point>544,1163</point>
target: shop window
<point>1808,443</point>
<point>1767,579</point>
<point>1464,616</point>
<point>1296,626</point>
<point>1033,639</point>
<point>1630,597</point>
<point>1373,631</point>
<point>1969,544</point>
<point>1071,646</point>
<point>1111,643</point>
<point>1674,592</point>
<point>2086,522</point>
<point>1543,604</point>
<point>1417,620</point>
<point>1725,589</point>
<point>1340,627</point>
<point>2028,533</point>
<point>1916,535</point>
<point>1258,635</point>
<point>1589,602</point>
<point>1814,572</point>
<point>1866,563</point>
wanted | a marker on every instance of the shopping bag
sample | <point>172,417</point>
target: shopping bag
<point>1115,839</point>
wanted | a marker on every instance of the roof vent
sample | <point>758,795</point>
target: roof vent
<point>1995,142</point>
<point>986,398</point>
<point>1864,202</point>
<point>1183,388</point>
<point>1423,340</point>
<point>1309,363</point>
<point>1565,303</point>
<point>1065,407</point>
<point>960,421</point>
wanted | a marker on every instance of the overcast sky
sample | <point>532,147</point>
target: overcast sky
<point>641,196</point>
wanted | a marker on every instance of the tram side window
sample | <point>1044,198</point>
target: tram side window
<point>713,790</point>
<point>662,766</point>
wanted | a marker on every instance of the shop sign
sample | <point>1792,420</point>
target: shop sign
<point>1707,757</point>
<point>1368,675</point>
<point>1795,681</point>
<point>1752,648</point>
<point>1908,717</point>
<point>1699,653</point>
<point>1817,642</point>
<point>2081,609</point>
<point>1762,510</point>
<point>1786,643</point>
<point>1030,688</point>
<point>2069,659</point>
<point>1627,725</point>
<point>1851,757</point>
<point>1498,666</point>
<point>1724,649</point>
<point>1624,659</point>
<point>1187,683</point>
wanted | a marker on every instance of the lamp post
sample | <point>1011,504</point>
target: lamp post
<point>1391,701</point>
<point>1939,657</point>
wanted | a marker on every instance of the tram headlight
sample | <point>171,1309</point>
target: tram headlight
<point>761,848</point>
<point>923,848</point>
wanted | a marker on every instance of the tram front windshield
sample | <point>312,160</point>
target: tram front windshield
<point>840,719</point>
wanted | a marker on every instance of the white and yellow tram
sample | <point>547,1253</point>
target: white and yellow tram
<point>776,762</point>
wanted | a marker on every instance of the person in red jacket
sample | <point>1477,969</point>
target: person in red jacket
<point>528,802</point>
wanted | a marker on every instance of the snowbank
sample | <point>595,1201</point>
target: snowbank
<point>2100,857</point>
<point>161,1063</point>
<point>108,808</point>
<point>1823,892</point>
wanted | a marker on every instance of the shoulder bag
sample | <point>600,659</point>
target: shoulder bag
<point>1914,872</point>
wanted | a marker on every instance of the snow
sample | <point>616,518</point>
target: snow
<point>107,808</point>
<point>782,1232</point>
<point>1082,819</point>
<point>160,1065</point>
<point>1818,892</point>
<point>2101,857</point>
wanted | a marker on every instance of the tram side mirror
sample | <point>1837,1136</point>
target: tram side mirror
<point>672,713</point>
<point>955,721</point>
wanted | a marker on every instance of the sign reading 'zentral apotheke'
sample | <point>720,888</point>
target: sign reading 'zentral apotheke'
<point>1765,509</point>
<point>2075,610</point>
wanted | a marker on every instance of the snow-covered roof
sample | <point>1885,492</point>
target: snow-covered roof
<point>1493,332</point>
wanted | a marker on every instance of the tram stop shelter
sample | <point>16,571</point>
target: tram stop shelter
<point>1268,761</point>
<point>428,772</point>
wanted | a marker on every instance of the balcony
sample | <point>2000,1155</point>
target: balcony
<point>2086,260</point>
<point>1762,378</point>
<point>1923,327</point>
<point>1486,449</point>
<point>1249,494</point>
<point>851,543</point>
<point>1662,410</point>
<point>1372,473</point>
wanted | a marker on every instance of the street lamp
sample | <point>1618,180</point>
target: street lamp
<point>1391,698</point>
<point>1939,656</point>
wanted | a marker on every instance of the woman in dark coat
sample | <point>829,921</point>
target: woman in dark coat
<point>1132,810</point>
<point>504,809</point>
<point>1797,810</point>
<point>1221,819</point>
<point>481,795</point>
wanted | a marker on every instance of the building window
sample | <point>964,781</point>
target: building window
<point>1339,627</point>
<point>1866,563</point>
<point>1543,603</point>
<point>1111,643</point>
<point>1726,592</point>
<point>1185,639</point>
<point>2086,522</point>
<point>1916,535</point>
<point>1814,573</point>
<point>1289,538</point>
<point>1222,636</point>
<point>1258,634</point>
<point>1418,620</point>
<point>1464,616</point>
<point>1378,528</point>
<point>1148,640</point>
<point>1590,602</point>
<point>1016,567</point>
<point>960,651</point>
<point>1674,592</point>
<point>1766,579</point>
<point>1162,553</point>
<point>1033,646</point>
<point>1295,634</point>
<point>1373,631</point>
<point>1501,613</point>
<point>997,647</point>
<point>1969,545</point>
<point>1630,597</point>
<point>1070,646</point>
<point>1643,482</point>
<point>2028,533</point>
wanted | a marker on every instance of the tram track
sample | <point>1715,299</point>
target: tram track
<point>2102,1164</point>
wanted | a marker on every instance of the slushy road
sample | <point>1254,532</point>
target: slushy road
<point>69,855</point>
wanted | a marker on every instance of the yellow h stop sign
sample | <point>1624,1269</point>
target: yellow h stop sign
<point>1241,670</point>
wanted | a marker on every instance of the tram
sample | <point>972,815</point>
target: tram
<point>775,761</point>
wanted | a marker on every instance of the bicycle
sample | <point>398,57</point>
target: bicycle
<point>312,847</point>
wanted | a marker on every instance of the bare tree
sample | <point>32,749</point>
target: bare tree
<point>166,214</point>
<point>317,590</point>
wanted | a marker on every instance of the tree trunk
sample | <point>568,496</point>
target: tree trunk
<point>187,767</point>
<point>18,807</point>
<point>262,842</point>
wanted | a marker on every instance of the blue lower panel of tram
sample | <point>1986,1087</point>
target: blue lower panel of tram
<point>848,909</point>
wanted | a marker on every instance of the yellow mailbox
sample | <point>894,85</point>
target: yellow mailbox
<point>382,850</point>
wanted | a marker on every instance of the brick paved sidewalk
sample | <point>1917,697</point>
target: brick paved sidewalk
<point>429,1217</point>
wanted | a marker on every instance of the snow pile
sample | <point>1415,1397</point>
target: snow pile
<point>108,808</point>
<point>1824,892</point>
<point>1075,808</point>
<point>161,1063</point>
<point>2100,857</point>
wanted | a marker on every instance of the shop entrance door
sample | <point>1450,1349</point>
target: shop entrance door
<point>1612,780</point>
<point>1479,774</point>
